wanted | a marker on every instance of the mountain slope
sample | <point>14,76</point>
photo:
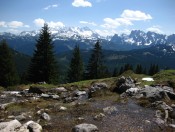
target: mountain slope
<point>66,38</point>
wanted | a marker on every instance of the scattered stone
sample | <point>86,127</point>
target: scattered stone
<point>11,117</point>
<point>45,116</point>
<point>4,106</point>
<point>80,118</point>
<point>162,105</point>
<point>20,117</point>
<point>110,110</point>
<point>55,96</point>
<point>62,108</point>
<point>9,126</point>
<point>85,128</point>
<point>45,95</point>
<point>160,122</point>
<point>59,90</point>
<point>99,116</point>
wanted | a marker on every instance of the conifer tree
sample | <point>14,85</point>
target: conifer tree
<point>43,65</point>
<point>8,73</point>
<point>115,72</point>
<point>95,68</point>
<point>75,72</point>
<point>139,69</point>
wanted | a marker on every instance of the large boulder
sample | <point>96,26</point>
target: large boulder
<point>9,126</point>
<point>34,127</point>
<point>123,84</point>
<point>37,89</point>
<point>30,126</point>
<point>85,128</point>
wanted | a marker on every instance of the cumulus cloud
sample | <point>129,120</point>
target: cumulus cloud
<point>114,23</point>
<point>89,23</point>
<point>155,29</point>
<point>126,19</point>
<point>13,24</point>
<point>81,3</point>
<point>50,6</point>
<point>135,15</point>
<point>40,22</point>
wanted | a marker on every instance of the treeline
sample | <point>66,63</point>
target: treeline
<point>45,68</point>
<point>138,69</point>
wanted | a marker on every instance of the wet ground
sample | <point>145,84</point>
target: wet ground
<point>129,117</point>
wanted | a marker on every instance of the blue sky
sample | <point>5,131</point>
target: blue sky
<point>104,16</point>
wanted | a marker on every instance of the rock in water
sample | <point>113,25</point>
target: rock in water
<point>85,128</point>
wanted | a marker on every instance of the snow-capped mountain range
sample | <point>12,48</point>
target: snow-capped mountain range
<point>66,38</point>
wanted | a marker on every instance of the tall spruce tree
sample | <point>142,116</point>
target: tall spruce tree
<point>43,65</point>
<point>95,68</point>
<point>8,72</point>
<point>75,72</point>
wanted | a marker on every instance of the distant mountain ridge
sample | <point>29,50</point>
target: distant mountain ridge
<point>65,39</point>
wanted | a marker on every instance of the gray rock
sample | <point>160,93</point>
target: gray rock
<point>3,106</point>
<point>153,93</point>
<point>160,122</point>
<point>45,95</point>
<point>97,89</point>
<point>62,108</point>
<point>85,128</point>
<point>132,91</point>
<point>99,116</point>
<point>55,96</point>
<point>59,90</point>
<point>37,89</point>
<point>20,117</point>
<point>45,116</point>
<point>110,110</point>
<point>98,86</point>
<point>162,105</point>
<point>9,126</point>
<point>123,84</point>
<point>34,127</point>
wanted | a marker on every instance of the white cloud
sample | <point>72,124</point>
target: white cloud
<point>155,29</point>
<point>114,23</point>
<point>89,23</point>
<point>135,15</point>
<point>40,22</point>
<point>52,24</point>
<point>13,24</point>
<point>126,19</point>
<point>81,3</point>
<point>50,6</point>
<point>3,24</point>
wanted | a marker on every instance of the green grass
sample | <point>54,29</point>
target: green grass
<point>165,77</point>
